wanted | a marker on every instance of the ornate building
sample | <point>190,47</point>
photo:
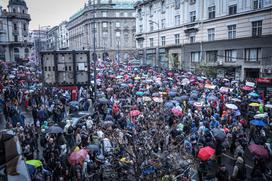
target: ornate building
<point>114,28</point>
<point>14,22</point>
<point>231,37</point>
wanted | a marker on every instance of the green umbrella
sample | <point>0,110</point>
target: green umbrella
<point>35,163</point>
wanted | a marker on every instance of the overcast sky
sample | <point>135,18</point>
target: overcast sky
<point>49,12</point>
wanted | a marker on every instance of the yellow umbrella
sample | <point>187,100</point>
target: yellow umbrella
<point>35,163</point>
<point>137,78</point>
<point>254,104</point>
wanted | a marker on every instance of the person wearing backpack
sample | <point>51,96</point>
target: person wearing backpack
<point>239,170</point>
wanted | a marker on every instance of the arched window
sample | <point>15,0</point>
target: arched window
<point>16,53</point>
<point>26,52</point>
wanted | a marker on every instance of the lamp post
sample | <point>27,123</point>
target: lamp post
<point>94,53</point>
<point>158,48</point>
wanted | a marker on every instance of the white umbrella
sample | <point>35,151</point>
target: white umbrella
<point>260,116</point>
<point>236,100</point>
<point>268,106</point>
<point>231,106</point>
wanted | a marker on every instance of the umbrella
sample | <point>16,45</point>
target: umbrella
<point>205,153</point>
<point>180,127</point>
<point>212,98</point>
<point>74,103</point>
<point>169,105</point>
<point>253,94</point>
<point>219,134</point>
<point>231,106</point>
<point>268,106</point>
<point>258,150</point>
<point>172,94</point>
<point>134,113</point>
<point>93,148</point>
<point>177,111</point>
<point>156,94</point>
<point>184,98</point>
<point>209,86</point>
<point>247,88</point>
<point>35,163</point>
<point>198,104</point>
<point>108,123</point>
<point>158,99</point>
<point>147,99</point>
<point>254,104</point>
<point>54,129</point>
<point>77,157</point>
<point>139,93</point>
<point>31,169</point>
<point>224,89</point>
<point>235,100</point>
<point>109,89</point>
<point>185,81</point>
<point>257,122</point>
<point>178,99</point>
<point>103,100</point>
<point>260,116</point>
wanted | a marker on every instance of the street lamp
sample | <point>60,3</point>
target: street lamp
<point>157,51</point>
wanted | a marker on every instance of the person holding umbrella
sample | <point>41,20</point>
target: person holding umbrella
<point>239,170</point>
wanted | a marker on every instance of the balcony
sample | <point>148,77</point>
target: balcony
<point>19,16</point>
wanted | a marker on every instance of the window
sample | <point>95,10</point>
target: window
<point>15,38</point>
<point>151,26</point>
<point>117,33</point>
<point>104,14</point>
<point>141,28</point>
<point>192,38</point>
<point>105,24</point>
<point>230,55</point>
<point>121,14</point>
<point>151,41</point>
<point>163,23</point>
<point>45,69</point>
<point>177,20</point>
<point>177,42</point>
<point>232,31</point>
<point>257,4</point>
<point>66,68</point>
<point>211,11</point>
<point>117,24</point>
<point>117,14</point>
<point>70,68</point>
<point>140,43</point>
<point>150,10</point>
<point>163,7</point>
<point>193,16</point>
<point>26,52</point>
<point>1,25</point>
<point>177,4</point>
<point>211,34</point>
<point>16,53</point>
<point>257,28</point>
<point>15,26</point>
<point>163,40</point>
<point>192,2</point>
<point>49,68</point>
<point>253,55</point>
<point>211,56</point>
<point>233,9</point>
<point>105,34</point>
<point>195,57</point>
<point>14,10</point>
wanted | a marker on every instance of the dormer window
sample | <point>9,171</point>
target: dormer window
<point>14,10</point>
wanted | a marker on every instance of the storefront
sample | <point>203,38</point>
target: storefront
<point>163,58</point>
<point>264,86</point>
<point>150,56</point>
<point>141,56</point>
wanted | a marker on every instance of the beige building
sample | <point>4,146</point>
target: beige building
<point>114,28</point>
<point>232,37</point>
<point>14,23</point>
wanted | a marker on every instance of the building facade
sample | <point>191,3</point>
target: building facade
<point>233,37</point>
<point>52,38</point>
<point>63,36</point>
<point>14,23</point>
<point>114,28</point>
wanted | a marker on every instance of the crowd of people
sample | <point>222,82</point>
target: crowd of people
<point>143,123</point>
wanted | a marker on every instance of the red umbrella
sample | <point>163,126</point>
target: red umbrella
<point>134,113</point>
<point>247,88</point>
<point>177,111</point>
<point>77,157</point>
<point>130,85</point>
<point>258,150</point>
<point>206,153</point>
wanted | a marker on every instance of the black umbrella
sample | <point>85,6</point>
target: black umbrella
<point>93,148</point>
<point>103,100</point>
<point>219,134</point>
<point>55,129</point>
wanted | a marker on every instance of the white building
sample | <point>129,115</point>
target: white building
<point>233,36</point>
<point>14,22</point>
<point>63,36</point>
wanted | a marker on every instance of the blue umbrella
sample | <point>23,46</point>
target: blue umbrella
<point>74,104</point>
<point>257,122</point>
<point>139,93</point>
<point>253,94</point>
<point>31,169</point>
<point>169,105</point>
<point>172,94</point>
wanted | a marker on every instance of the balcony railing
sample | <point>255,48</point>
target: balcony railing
<point>19,15</point>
